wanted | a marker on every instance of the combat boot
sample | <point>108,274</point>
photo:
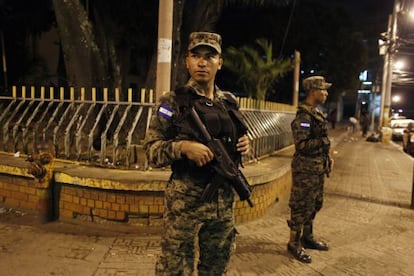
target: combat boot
<point>295,247</point>
<point>309,241</point>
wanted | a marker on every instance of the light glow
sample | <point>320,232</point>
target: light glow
<point>396,98</point>
<point>399,64</point>
<point>411,14</point>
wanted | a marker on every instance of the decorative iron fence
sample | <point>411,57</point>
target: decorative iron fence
<point>98,128</point>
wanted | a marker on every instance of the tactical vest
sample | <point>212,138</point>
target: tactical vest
<point>319,131</point>
<point>319,122</point>
<point>222,119</point>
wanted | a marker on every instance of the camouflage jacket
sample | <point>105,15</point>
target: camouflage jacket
<point>312,145</point>
<point>162,142</point>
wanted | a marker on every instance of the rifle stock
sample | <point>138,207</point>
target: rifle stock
<point>223,165</point>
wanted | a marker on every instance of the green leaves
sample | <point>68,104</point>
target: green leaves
<point>255,67</point>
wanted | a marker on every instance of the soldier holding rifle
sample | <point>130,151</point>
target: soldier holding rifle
<point>174,138</point>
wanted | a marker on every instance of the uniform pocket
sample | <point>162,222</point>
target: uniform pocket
<point>307,164</point>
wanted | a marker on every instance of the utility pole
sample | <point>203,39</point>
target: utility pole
<point>388,58</point>
<point>375,90</point>
<point>296,79</point>
<point>385,72</point>
<point>164,48</point>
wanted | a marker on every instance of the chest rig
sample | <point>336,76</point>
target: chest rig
<point>221,117</point>
<point>319,122</point>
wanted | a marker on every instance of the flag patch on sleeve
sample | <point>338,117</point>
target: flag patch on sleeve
<point>305,125</point>
<point>165,111</point>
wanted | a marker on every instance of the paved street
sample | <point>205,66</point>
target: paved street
<point>366,220</point>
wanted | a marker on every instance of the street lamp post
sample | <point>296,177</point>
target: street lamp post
<point>384,47</point>
<point>390,46</point>
<point>296,74</point>
<point>375,90</point>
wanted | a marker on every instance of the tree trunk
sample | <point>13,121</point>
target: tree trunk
<point>83,60</point>
<point>177,58</point>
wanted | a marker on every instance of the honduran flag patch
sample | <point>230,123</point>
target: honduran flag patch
<point>305,124</point>
<point>165,111</point>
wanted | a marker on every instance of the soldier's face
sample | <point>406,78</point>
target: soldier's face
<point>321,95</point>
<point>203,62</point>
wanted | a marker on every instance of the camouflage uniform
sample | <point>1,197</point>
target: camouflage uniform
<point>189,222</point>
<point>309,164</point>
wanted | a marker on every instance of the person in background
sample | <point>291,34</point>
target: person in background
<point>191,223</point>
<point>311,162</point>
<point>353,124</point>
<point>364,122</point>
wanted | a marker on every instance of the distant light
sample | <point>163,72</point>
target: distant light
<point>364,91</point>
<point>400,110</point>
<point>398,65</point>
<point>363,76</point>
<point>367,82</point>
<point>312,71</point>
<point>396,98</point>
<point>411,13</point>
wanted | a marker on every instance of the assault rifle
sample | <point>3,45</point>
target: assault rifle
<point>223,165</point>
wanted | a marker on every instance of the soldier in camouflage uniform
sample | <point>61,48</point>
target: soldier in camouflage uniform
<point>199,235</point>
<point>310,163</point>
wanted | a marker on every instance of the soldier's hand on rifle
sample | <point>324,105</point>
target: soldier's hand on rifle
<point>197,152</point>
<point>243,145</point>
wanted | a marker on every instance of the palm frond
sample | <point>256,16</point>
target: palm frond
<point>256,67</point>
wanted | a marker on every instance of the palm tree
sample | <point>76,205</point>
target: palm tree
<point>255,67</point>
<point>202,15</point>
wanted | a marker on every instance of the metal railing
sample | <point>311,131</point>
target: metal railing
<point>268,130</point>
<point>91,128</point>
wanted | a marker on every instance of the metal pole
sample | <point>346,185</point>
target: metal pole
<point>383,89</point>
<point>387,96</point>
<point>165,27</point>
<point>296,79</point>
<point>392,36</point>
<point>373,106</point>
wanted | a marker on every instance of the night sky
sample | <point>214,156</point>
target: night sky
<point>371,16</point>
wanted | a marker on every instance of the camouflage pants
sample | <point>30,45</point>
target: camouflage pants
<point>306,198</point>
<point>199,236</point>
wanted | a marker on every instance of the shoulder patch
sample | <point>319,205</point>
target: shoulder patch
<point>305,125</point>
<point>165,111</point>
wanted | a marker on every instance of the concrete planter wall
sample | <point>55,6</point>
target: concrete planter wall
<point>73,191</point>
